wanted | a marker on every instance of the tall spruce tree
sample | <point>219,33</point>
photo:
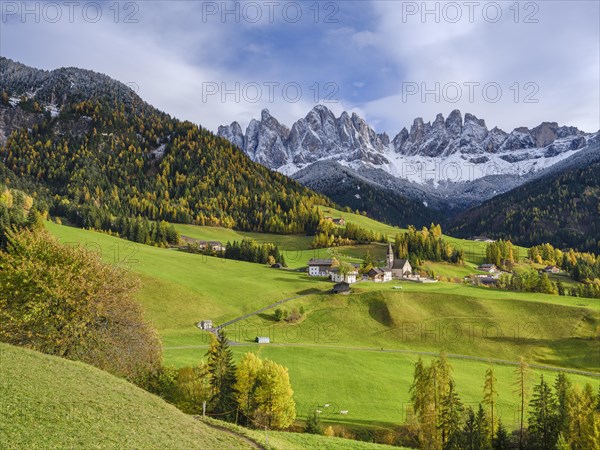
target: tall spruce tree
<point>502,439</point>
<point>450,417</point>
<point>562,387</point>
<point>543,420</point>
<point>222,377</point>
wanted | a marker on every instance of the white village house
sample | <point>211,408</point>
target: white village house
<point>318,267</point>
<point>380,274</point>
<point>337,277</point>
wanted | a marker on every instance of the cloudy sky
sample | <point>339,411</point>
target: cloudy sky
<point>513,64</point>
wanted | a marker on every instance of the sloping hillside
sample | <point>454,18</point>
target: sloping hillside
<point>49,402</point>
<point>561,208</point>
<point>105,153</point>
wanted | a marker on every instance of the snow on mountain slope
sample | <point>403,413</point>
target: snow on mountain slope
<point>447,150</point>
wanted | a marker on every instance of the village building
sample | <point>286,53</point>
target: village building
<point>482,239</point>
<point>551,269</point>
<point>400,268</point>
<point>205,324</point>
<point>337,277</point>
<point>319,267</point>
<point>337,220</point>
<point>489,268</point>
<point>341,288</point>
<point>216,246</point>
<point>380,274</point>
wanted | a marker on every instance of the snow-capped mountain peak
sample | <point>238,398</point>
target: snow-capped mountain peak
<point>447,149</point>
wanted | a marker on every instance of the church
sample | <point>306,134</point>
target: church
<point>400,268</point>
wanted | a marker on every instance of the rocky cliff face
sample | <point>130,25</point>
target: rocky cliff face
<point>349,140</point>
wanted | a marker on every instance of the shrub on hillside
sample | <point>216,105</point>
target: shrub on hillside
<point>65,301</point>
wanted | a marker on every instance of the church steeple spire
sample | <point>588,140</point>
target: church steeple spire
<point>390,256</point>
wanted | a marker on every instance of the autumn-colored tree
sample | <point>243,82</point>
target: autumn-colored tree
<point>275,405</point>
<point>490,395</point>
<point>65,301</point>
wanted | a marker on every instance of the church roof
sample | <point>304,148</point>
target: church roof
<point>399,263</point>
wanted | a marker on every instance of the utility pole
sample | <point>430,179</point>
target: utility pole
<point>204,409</point>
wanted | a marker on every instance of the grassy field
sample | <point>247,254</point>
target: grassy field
<point>49,402</point>
<point>282,440</point>
<point>373,385</point>
<point>334,354</point>
<point>180,289</point>
<point>459,323</point>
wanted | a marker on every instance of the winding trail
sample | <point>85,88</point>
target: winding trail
<point>241,437</point>
<point>259,311</point>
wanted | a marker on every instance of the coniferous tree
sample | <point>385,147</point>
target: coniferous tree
<point>520,384</point>
<point>222,377</point>
<point>562,387</point>
<point>502,439</point>
<point>490,395</point>
<point>543,420</point>
<point>450,417</point>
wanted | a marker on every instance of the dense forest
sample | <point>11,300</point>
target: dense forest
<point>426,244</point>
<point>330,235</point>
<point>108,156</point>
<point>562,209</point>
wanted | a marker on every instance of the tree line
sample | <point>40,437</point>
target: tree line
<point>426,244</point>
<point>330,235</point>
<point>129,160</point>
<point>582,266</point>
<point>561,209</point>
<point>560,417</point>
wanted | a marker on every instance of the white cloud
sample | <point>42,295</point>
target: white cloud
<point>171,55</point>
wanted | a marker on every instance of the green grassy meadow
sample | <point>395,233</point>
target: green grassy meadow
<point>50,402</point>
<point>334,353</point>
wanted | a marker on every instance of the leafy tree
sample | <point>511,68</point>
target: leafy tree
<point>584,427</point>
<point>275,406</point>
<point>193,388</point>
<point>65,301</point>
<point>313,426</point>
<point>246,383</point>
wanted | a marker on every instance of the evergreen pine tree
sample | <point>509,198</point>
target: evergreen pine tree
<point>543,423</point>
<point>502,439</point>
<point>222,377</point>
